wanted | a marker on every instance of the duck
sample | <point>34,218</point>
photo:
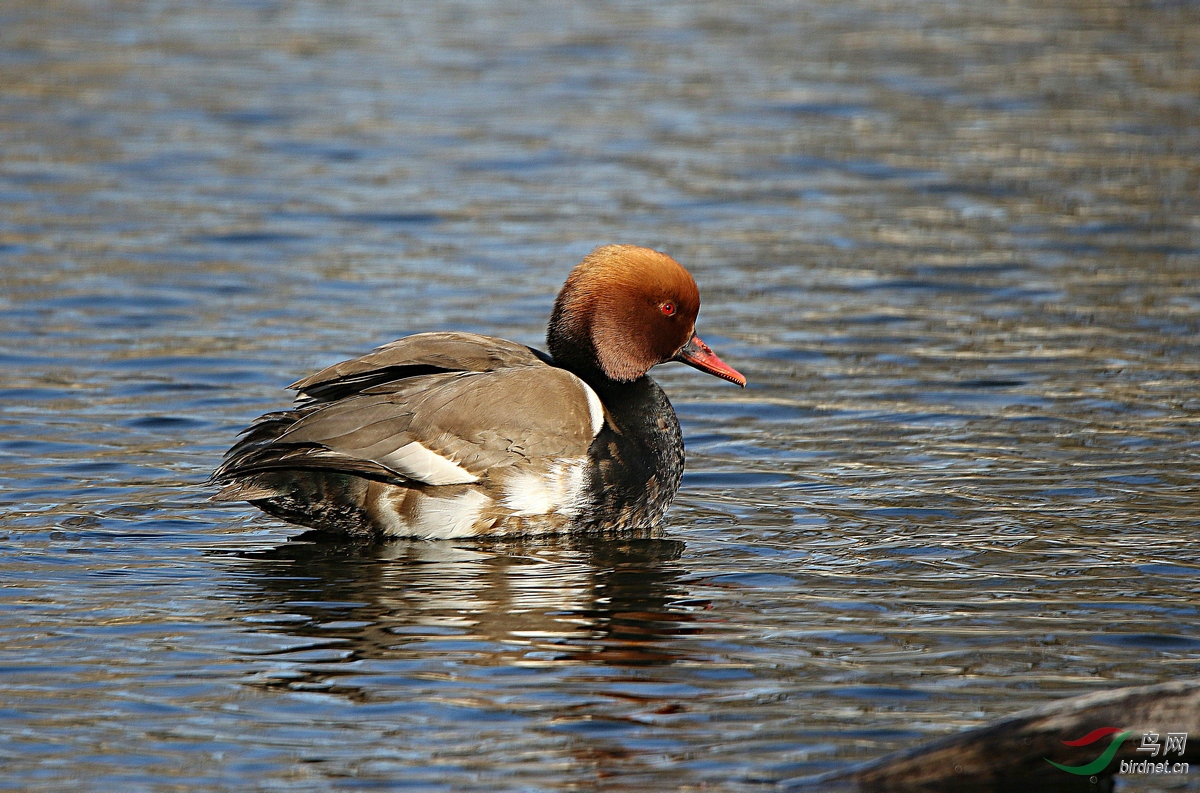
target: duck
<point>450,435</point>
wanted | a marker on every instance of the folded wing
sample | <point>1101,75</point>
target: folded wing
<point>432,409</point>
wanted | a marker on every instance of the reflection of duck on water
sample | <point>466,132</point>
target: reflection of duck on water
<point>600,601</point>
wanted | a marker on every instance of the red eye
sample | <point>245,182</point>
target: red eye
<point>667,308</point>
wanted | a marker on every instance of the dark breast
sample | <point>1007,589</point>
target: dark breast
<point>637,459</point>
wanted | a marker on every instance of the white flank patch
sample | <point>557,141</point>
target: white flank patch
<point>448,518</point>
<point>386,509</point>
<point>542,492</point>
<point>416,462</point>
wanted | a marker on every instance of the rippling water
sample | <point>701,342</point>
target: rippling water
<point>955,247</point>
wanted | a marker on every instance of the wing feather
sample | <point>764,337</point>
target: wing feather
<point>443,409</point>
<point>412,356</point>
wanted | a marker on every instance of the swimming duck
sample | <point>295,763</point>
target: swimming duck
<point>449,435</point>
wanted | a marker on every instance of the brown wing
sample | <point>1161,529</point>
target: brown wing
<point>422,353</point>
<point>400,422</point>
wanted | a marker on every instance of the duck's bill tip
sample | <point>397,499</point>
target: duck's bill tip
<point>699,355</point>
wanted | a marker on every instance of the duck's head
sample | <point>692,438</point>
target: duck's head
<point>625,309</point>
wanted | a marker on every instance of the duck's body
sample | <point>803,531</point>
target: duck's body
<point>443,435</point>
